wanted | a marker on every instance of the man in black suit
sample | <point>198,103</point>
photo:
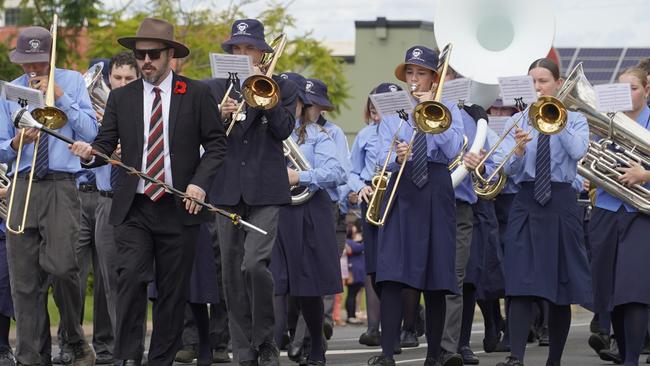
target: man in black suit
<point>253,182</point>
<point>161,122</point>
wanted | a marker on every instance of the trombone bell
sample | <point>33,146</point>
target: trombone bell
<point>50,117</point>
<point>432,117</point>
<point>261,92</point>
<point>548,115</point>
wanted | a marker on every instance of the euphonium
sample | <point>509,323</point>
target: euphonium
<point>97,88</point>
<point>299,162</point>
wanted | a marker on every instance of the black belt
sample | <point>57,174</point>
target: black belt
<point>107,194</point>
<point>85,187</point>
<point>49,176</point>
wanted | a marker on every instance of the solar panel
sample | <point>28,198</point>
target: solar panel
<point>566,52</point>
<point>600,52</point>
<point>599,64</point>
<point>638,52</point>
<point>629,63</point>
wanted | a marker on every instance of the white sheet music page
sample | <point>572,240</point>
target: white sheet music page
<point>498,124</point>
<point>612,98</point>
<point>22,95</point>
<point>223,64</point>
<point>388,104</point>
<point>516,87</point>
<point>457,91</point>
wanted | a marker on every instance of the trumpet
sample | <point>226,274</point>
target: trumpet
<point>261,91</point>
<point>547,115</point>
<point>49,116</point>
<point>431,117</point>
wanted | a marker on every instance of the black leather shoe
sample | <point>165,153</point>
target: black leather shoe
<point>294,352</point>
<point>7,357</point>
<point>430,361</point>
<point>408,339</point>
<point>104,358</point>
<point>490,344</point>
<point>371,338</point>
<point>220,356</point>
<point>598,342</point>
<point>511,361</point>
<point>397,349</point>
<point>469,358</point>
<point>63,358</point>
<point>131,363</point>
<point>502,347</point>
<point>186,355</point>
<point>328,330</point>
<point>450,359</point>
<point>543,337</point>
<point>268,354</point>
<point>611,353</point>
<point>381,361</point>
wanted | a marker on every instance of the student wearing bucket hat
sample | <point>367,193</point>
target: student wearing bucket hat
<point>418,251</point>
<point>253,182</point>
<point>161,122</point>
<point>55,224</point>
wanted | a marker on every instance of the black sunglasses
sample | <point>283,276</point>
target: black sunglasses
<point>154,54</point>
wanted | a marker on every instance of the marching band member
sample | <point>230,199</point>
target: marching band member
<point>544,255</point>
<point>253,183</point>
<point>617,235</point>
<point>416,246</point>
<point>306,257</point>
<point>152,226</point>
<point>47,245</point>
<point>364,164</point>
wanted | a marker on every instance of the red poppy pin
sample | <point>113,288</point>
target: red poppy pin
<point>180,87</point>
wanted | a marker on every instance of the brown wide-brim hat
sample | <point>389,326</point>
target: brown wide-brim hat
<point>156,30</point>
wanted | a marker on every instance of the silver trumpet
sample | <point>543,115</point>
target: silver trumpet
<point>297,161</point>
<point>621,140</point>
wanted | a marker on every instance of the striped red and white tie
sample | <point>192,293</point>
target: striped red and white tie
<point>155,150</point>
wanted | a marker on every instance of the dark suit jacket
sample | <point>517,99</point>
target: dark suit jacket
<point>255,169</point>
<point>193,122</point>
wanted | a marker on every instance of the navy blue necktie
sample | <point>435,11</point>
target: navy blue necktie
<point>543,169</point>
<point>42,161</point>
<point>419,171</point>
<point>90,178</point>
<point>115,170</point>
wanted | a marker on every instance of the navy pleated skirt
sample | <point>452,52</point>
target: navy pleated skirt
<point>620,254</point>
<point>305,259</point>
<point>6,303</point>
<point>203,283</point>
<point>417,244</point>
<point>545,254</point>
<point>485,268</point>
<point>369,241</point>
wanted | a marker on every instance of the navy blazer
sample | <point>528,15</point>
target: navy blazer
<point>193,122</point>
<point>255,169</point>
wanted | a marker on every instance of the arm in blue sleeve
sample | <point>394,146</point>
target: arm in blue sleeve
<point>450,142</point>
<point>515,163</point>
<point>7,131</point>
<point>357,163</point>
<point>77,106</point>
<point>575,137</point>
<point>387,129</point>
<point>327,171</point>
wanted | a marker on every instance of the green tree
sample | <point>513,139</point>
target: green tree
<point>8,70</point>
<point>203,30</point>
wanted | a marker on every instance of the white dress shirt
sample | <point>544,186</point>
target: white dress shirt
<point>165,96</point>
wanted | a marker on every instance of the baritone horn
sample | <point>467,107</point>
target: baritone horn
<point>298,161</point>
<point>97,88</point>
<point>431,117</point>
<point>49,116</point>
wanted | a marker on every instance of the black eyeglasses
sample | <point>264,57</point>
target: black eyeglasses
<point>154,54</point>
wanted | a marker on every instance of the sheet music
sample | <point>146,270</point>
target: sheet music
<point>498,124</point>
<point>222,64</point>
<point>457,91</point>
<point>613,97</point>
<point>514,87</point>
<point>390,103</point>
<point>22,95</point>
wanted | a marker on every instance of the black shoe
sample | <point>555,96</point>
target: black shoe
<point>469,358</point>
<point>502,347</point>
<point>430,361</point>
<point>186,355</point>
<point>381,361</point>
<point>63,358</point>
<point>611,353</point>
<point>490,344</point>
<point>598,342</point>
<point>450,359</point>
<point>543,337</point>
<point>294,352</point>
<point>82,354</point>
<point>371,338</point>
<point>397,349</point>
<point>285,341</point>
<point>328,330</point>
<point>409,339</point>
<point>220,356</point>
<point>7,357</point>
<point>104,358</point>
<point>511,361</point>
<point>268,354</point>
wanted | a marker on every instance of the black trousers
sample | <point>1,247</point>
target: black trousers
<point>152,233</point>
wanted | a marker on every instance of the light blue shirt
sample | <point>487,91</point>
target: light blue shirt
<point>465,190</point>
<point>343,153</point>
<point>103,177</point>
<point>441,148</point>
<point>605,200</point>
<point>567,147</point>
<point>363,157</point>
<point>81,125</point>
<point>319,149</point>
<point>497,158</point>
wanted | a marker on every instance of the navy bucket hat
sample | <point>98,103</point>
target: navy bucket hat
<point>385,88</point>
<point>420,56</point>
<point>300,82</point>
<point>316,91</point>
<point>247,31</point>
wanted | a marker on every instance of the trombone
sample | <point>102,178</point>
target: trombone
<point>49,116</point>
<point>431,117</point>
<point>261,91</point>
<point>547,115</point>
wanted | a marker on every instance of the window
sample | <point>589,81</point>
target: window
<point>12,16</point>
